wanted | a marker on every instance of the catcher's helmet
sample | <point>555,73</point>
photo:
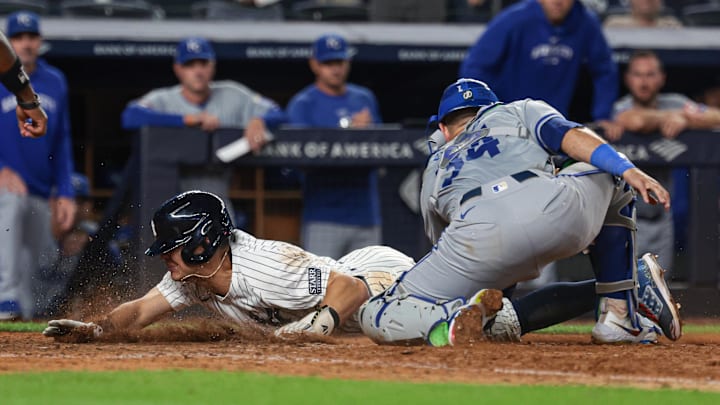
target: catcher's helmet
<point>195,219</point>
<point>464,93</point>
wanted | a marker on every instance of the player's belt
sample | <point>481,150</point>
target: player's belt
<point>477,191</point>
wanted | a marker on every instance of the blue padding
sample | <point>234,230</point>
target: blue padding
<point>553,131</point>
<point>606,158</point>
<point>612,256</point>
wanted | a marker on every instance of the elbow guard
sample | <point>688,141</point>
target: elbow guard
<point>15,79</point>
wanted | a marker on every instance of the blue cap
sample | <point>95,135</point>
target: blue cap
<point>464,93</point>
<point>21,22</point>
<point>330,47</point>
<point>80,184</point>
<point>194,48</point>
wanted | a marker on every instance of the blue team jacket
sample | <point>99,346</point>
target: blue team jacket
<point>348,195</point>
<point>522,55</point>
<point>45,162</point>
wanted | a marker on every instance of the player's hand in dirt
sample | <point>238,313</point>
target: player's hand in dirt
<point>69,331</point>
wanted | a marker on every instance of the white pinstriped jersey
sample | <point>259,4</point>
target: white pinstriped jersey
<point>233,103</point>
<point>276,282</point>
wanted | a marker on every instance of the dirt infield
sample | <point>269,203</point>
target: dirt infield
<point>693,362</point>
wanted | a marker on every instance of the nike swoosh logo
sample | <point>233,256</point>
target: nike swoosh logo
<point>462,214</point>
<point>634,332</point>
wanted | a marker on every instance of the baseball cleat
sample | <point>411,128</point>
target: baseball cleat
<point>655,301</point>
<point>614,325</point>
<point>505,326</point>
<point>467,323</point>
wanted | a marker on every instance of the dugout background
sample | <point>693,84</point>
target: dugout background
<point>407,90</point>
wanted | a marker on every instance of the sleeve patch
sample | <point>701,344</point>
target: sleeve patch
<point>314,281</point>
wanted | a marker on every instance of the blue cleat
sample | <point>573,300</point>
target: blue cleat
<point>655,301</point>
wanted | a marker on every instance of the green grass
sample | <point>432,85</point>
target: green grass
<point>22,326</point>
<point>198,387</point>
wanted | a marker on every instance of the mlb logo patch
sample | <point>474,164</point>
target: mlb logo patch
<point>500,187</point>
<point>314,281</point>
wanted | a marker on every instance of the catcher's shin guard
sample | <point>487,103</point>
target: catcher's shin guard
<point>399,318</point>
<point>613,253</point>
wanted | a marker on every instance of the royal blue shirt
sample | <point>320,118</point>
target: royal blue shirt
<point>45,162</point>
<point>521,55</point>
<point>337,195</point>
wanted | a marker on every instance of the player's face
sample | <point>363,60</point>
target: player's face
<point>196,75</point>
<point>644,78</point>
<point>332,73</point>
<point>556,10</point>
<point>27,47</point>
<point>177,266</point>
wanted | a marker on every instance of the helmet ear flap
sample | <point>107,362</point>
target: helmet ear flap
<point>208,237</point>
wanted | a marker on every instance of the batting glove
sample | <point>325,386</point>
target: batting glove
<point>320,322</point>
<point>69,330</point>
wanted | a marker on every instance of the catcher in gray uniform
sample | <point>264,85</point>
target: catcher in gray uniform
<point>498,213</point>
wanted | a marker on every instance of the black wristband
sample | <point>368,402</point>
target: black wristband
<point>15,79</point>
<point>333,313</point>
<point>29,105</point>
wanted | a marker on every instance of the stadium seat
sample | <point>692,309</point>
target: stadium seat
<point>111,8</point>
<point>226,10</point>
<point>702,15</point>
<point>11,6</point>
<point>330,11</point>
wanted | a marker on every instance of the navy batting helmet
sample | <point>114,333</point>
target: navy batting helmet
<point>464,93</point>
<point>194,219</point>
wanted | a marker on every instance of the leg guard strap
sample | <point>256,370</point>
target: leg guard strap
<point>615,215</point>
<point>614,286</point>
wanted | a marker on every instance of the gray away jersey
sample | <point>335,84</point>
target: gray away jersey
<point>233,103</point>
<point>276,282</point>
<point>501,140</point>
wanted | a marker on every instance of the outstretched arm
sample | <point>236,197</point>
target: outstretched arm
<point>138,313</point>
<point>134,314</point>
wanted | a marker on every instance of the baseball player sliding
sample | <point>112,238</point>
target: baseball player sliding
<point>497,214</point>
<point>243,278</point>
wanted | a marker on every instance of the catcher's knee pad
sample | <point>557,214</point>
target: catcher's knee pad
<point>403,318</point>
<point>613,253</point>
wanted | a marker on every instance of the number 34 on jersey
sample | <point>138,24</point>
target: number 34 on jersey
<point>469,146</point>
